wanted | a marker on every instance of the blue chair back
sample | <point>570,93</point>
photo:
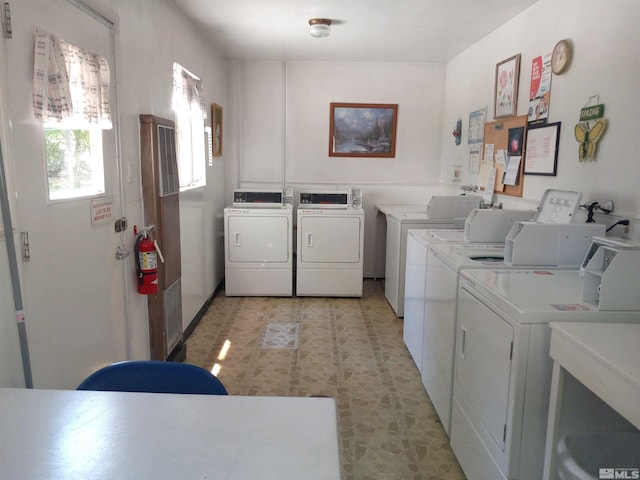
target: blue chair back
<point>154,376</point>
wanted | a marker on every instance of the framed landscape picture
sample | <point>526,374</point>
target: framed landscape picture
<point>363,130</point>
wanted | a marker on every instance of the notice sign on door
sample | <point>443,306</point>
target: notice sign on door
<point>101,211</point>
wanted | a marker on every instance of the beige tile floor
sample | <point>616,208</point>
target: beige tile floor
<point>350,349</point>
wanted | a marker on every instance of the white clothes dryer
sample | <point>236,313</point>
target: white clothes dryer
<point>330,245</point>
<point>502,365</point>
<point>258,239</point>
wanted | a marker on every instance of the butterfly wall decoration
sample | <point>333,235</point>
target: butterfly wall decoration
<point>588,137</point>
<point>590,129</point>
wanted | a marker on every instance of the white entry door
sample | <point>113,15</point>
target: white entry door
<point>73,283</point>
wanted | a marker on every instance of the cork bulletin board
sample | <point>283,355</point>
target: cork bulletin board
<point>497,133</point>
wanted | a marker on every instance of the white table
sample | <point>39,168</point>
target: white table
<point>56,434</point>
<point>596,381</point>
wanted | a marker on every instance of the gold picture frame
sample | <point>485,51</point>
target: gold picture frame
<point>363,130</point>
<point>506,87</point>
<point>216,126</point>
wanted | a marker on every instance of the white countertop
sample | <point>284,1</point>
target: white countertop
<point>605,357</point>
<point>56,434</point>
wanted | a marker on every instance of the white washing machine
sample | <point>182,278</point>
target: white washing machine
<point>258,239</point>
<point>330,244</point>
<point>418,242</point>
<point>441,212</point>
<point>481,226</point>
<point>502,364</point>
<point>444,263</point>
<point>559,245</point>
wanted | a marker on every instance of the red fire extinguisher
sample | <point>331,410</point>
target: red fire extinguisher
<point>146,255</point>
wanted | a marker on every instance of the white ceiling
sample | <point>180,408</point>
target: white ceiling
<point>362,30</point>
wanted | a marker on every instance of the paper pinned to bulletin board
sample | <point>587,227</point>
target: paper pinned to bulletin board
<point>504,139</point>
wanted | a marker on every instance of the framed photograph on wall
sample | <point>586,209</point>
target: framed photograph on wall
<point>216,126</point>
<point>506,87</point>
<point>541,154</point>
<point>363,130</point>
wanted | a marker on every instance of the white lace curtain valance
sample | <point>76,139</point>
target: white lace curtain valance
<point>70,84</point>
<point>188,91</point>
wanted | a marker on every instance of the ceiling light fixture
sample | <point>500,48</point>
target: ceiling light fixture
<point>319,27</point>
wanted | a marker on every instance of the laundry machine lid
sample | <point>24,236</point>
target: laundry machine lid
<point>469,255</point>
<point>558,206</point>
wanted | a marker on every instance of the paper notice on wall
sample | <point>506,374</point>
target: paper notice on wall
<point>476,126</point>
<point>501,157</point>
<point>540,90</point>
<point>510,176</point>
<point>474,159</point>
<point>488,152</point>
<point>485,167</point>
<point>101,211</point>
<point>489,185</point>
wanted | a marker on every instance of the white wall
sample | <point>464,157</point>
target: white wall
<point>605,62</point>
<point>152,35</point>
<point>282,132</point>
<point>416,88</point>
<point>11,372</point>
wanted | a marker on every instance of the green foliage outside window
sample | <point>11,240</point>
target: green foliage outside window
<point>68,154</point>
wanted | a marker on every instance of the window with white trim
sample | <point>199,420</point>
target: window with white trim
<point>188,104</point>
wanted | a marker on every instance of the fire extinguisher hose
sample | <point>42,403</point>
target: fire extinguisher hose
<point>137,255</point>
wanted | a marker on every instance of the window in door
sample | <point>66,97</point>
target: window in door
<point>71,97</point>
<point>75,165</point>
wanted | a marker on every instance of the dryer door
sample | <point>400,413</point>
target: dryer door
<point>483,365</point>
<point>258,238</point>
<point>329,239</point>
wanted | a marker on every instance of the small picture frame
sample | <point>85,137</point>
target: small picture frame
<point>541,153</point>
<point>216,126</point>
<point>363,130</point>
<point>506,87</point>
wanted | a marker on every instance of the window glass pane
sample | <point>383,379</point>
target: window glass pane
<point>190,132</point>
<point>183,128</point>
<point>197,150</point>
<point>74,162</point>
